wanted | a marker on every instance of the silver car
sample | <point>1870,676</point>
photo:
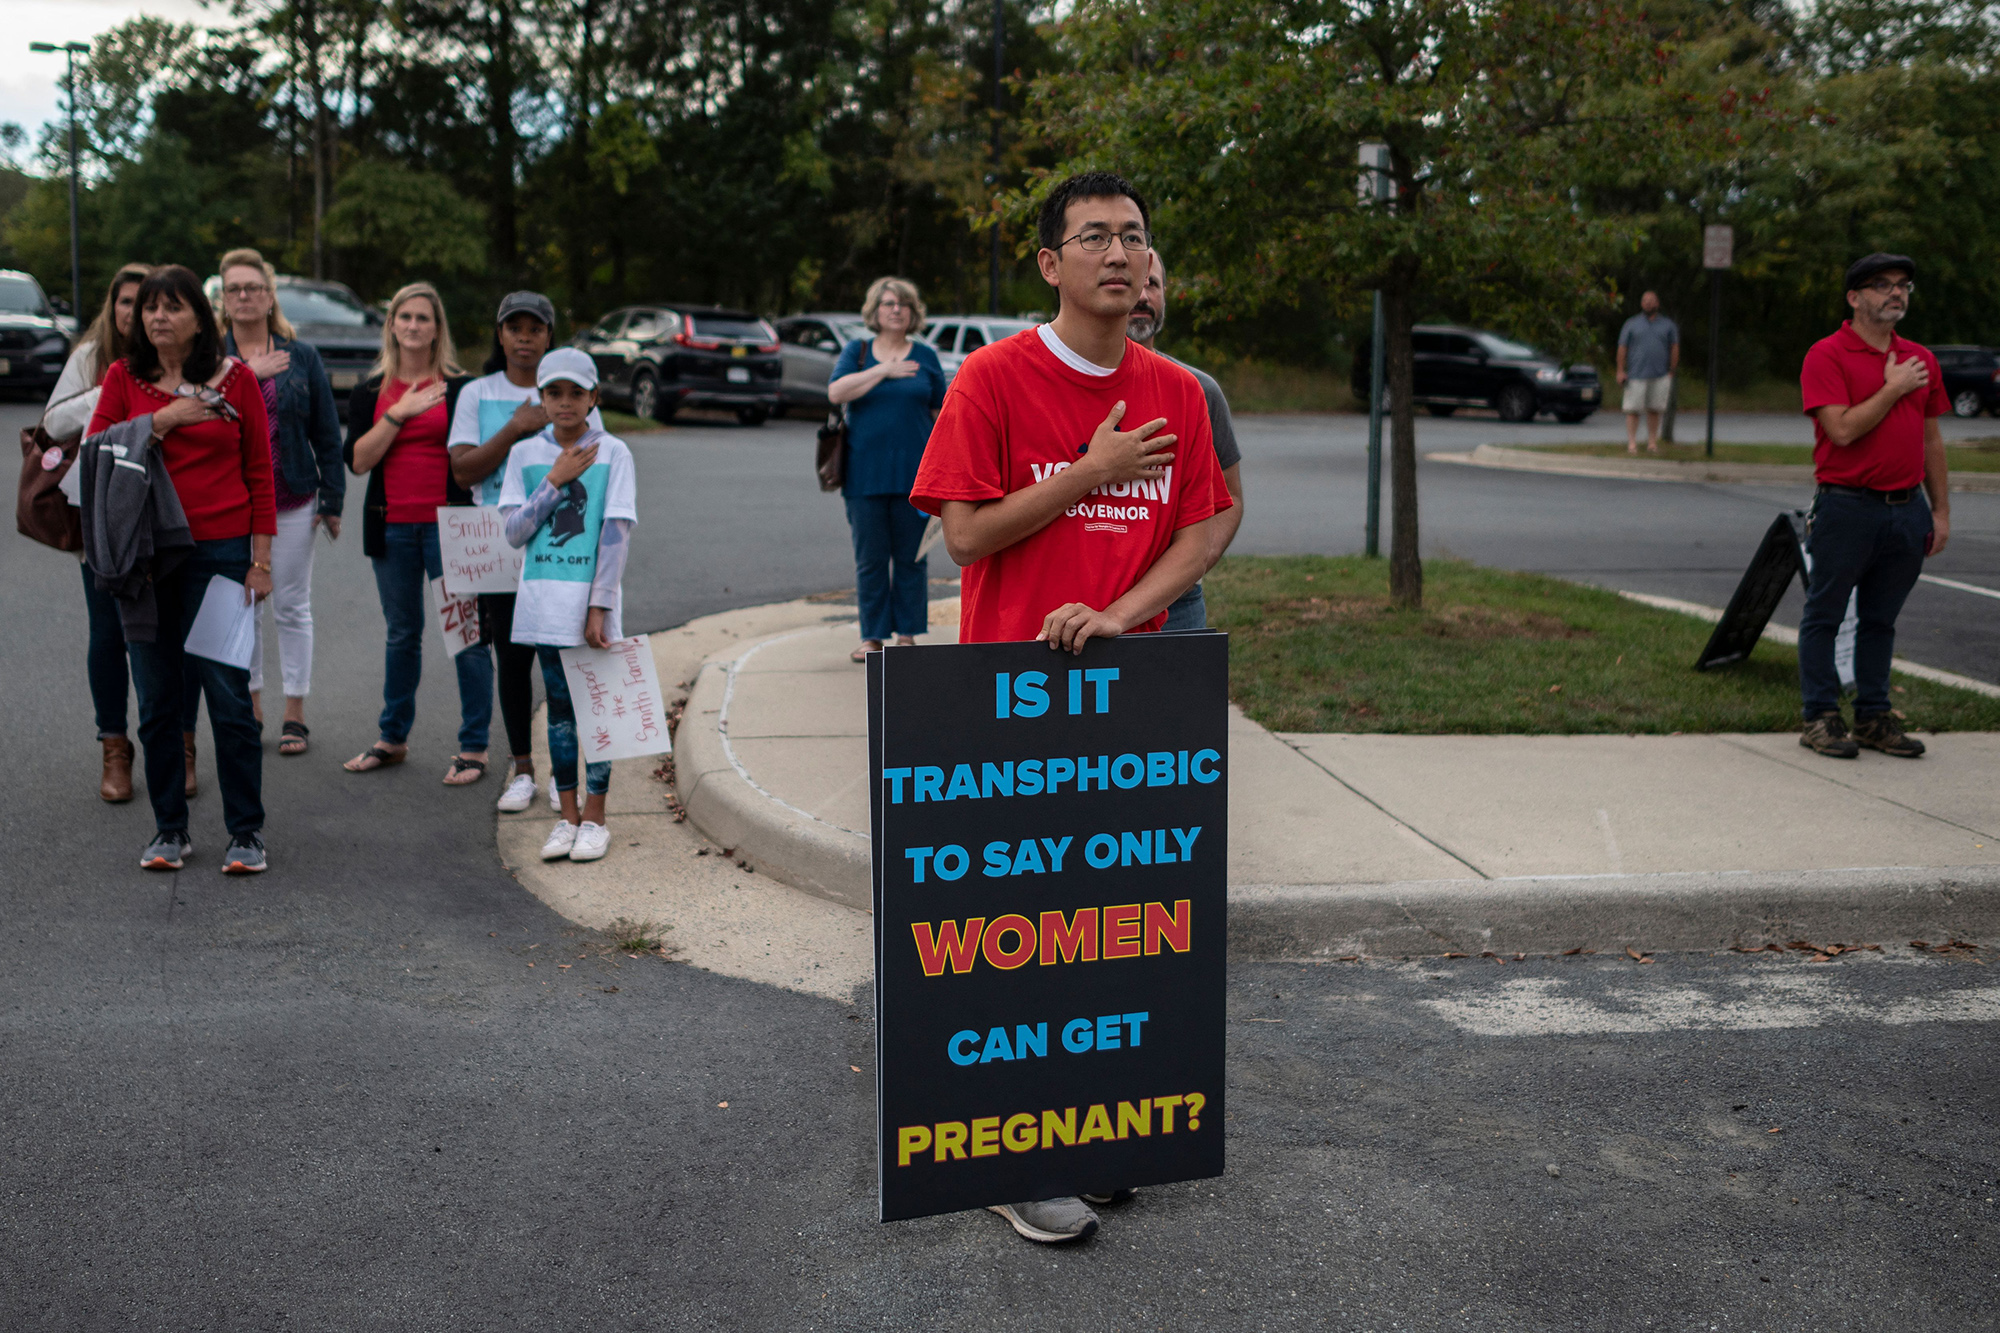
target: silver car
<point>954,337</point>
<point>810,345</point>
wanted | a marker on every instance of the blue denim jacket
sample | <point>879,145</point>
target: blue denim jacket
<point>307,424</point>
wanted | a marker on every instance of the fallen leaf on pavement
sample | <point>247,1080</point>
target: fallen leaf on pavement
<point>1636,956</point>
<point>1776,1129</point>
<point>724,1106</point>
<point>855,1068</point>
<point>1569,952</point>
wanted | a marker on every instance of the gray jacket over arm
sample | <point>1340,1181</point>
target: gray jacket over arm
<point>134,530</point>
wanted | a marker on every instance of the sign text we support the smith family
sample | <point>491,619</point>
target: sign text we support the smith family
<point>1050,848</point>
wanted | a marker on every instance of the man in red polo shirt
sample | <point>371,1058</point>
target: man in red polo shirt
<point>1874,399</point>
<point>1070,529</point>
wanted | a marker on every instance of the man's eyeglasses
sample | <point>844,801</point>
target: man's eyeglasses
<point>245,289</point>
<point>1097,242</point>
<point>1883,287</point>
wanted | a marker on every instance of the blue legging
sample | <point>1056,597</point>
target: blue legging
<point>562,731</point>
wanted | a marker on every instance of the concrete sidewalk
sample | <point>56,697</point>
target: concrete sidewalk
<point>1405,844</point>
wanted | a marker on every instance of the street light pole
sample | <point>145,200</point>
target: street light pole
<point>71,50</point>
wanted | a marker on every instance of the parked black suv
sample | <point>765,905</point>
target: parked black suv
<point>1971,379</point>
<point>1460,367</point>
<point>33,346</point>
<point>656,359</point>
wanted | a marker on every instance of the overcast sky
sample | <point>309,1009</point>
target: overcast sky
<point>29,83</point>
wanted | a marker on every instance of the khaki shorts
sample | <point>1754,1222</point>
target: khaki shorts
<point>1648,395</point>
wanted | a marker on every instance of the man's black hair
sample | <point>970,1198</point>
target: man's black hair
<point>179,286</point>
<point>1090,185</point>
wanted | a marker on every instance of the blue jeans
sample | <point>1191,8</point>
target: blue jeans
<point>160,670</point>
<point>1858,543</point>
<point>411,557</point>
<point>1189,611</point>
<point>110,681</point>
<point>892,585</point>
<point>562,731</point>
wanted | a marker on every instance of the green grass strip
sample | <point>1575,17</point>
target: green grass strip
<point>1983,456</point>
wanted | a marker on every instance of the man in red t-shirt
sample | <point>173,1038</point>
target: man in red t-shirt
<point>1874,399</point>
<point>1070,529</point>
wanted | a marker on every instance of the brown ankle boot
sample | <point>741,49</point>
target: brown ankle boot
<point>187,743</point>
<point>116,785</point>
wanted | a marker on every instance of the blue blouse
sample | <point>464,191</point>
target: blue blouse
<point>888,427</point>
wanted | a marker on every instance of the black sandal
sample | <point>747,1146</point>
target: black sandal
<point>294,732</point>
<point>383,758</point>
<point>460,764</point>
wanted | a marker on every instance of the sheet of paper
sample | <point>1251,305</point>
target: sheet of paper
<point>473,541</point>
<point>225,628</point>
<point>457,618</point>
<point>620,710</point>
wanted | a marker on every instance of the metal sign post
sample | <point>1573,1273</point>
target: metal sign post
<point>1377,186</point>
<point>1718,251</point>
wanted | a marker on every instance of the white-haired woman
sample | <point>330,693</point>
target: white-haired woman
<point>397,423</point>
<point>893,388</point>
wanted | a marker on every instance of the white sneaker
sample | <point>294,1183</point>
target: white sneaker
<point>560,841</point>
<point>592,841</point>
<point>520,793</point>
<point>555,797</point>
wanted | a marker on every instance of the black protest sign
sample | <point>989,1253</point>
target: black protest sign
<point>1050,841</point>
<point>1771,571</point>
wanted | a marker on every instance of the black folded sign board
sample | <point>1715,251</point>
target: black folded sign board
<point>1050,851</point>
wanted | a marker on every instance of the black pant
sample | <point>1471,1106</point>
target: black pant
<point>158,670</point>
<point>1859,543</point>
<point>517,669</point>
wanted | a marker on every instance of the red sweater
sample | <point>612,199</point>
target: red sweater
<point>221,469</point>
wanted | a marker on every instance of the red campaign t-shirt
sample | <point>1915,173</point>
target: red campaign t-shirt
<point>1841,371</point>
<point>1014,413</point>
<point>221,469</point>
<point>417,464</point>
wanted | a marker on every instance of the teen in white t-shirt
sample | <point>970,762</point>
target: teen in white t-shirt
<point>570,499</point>
<point>495,412</point>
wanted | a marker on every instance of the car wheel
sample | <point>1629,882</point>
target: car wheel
<point>1967,403</point>
<point>645,396</point>
<point>752,416</point>
<point>781,410</point>
<point>1516,403</point>
<point>1441,409</point>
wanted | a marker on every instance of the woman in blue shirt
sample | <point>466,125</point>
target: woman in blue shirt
<point>893,388</point>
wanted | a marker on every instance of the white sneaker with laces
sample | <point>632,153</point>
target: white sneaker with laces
<point>592,841</point>
<point>560,841</point>
<point>520,793</point>
<point>555,798</point>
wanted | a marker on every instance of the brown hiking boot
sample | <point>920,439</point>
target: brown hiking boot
<point>1884,732</point>
<point>187,744</point>
<point>116,784</point>
<point>1827,734</point>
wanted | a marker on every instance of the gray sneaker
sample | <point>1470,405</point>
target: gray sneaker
<point>166,851</point>
<point>1050,1221</point>
<point>245,855</point>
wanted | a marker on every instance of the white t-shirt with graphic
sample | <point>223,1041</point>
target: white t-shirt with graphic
<point>560,560</point>
<point>484,406</point>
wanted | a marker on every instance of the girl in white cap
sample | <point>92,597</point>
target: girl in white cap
<point>569,496</point>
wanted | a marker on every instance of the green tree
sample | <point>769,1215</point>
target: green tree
<point>1243,119</point>
<point>396,224</point>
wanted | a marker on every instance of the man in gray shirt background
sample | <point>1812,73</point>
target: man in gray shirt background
<point>1142,327</point>
<point>1649,352</point>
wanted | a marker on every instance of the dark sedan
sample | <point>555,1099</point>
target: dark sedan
<point>1461,367</point>
<point>1971,379</point>
<point>654,360</point>
<point>33,346</point>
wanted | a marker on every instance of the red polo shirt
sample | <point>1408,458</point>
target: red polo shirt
<point>1841,371</point>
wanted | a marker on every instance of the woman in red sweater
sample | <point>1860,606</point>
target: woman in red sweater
<point>210,428</point>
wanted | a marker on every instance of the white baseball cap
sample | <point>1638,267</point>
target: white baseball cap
<point>567,363</point>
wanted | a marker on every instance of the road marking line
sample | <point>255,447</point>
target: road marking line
<point>1536,1007</point>
<point>1962,587</point>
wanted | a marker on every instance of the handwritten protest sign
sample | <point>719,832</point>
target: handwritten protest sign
<point>620,711</point>
<point>473,542</point>
<point>457,618</point>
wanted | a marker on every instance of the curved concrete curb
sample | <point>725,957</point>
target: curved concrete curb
<point>727,804</point>
<point>1666,469</point>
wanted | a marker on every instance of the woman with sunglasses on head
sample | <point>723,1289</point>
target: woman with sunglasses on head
<point>397,423</point>
<point>70,407</point>
<point>209,426</point>
<point>310,484</point>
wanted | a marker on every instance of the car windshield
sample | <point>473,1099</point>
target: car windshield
<point>1498,346</point>
<point>18,296</point>
<point>848,333</point>
<point>319,305</point>
<point>722,326</point>
<point>996,329</point>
